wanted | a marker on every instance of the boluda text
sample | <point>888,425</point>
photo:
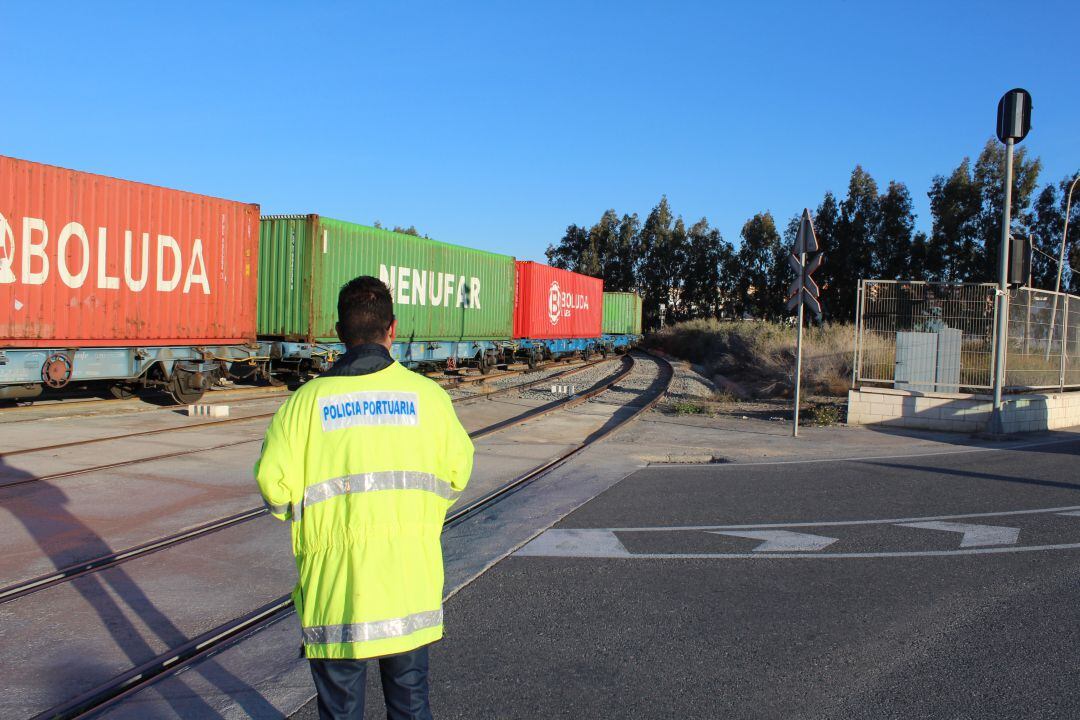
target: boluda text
<point>73,253</point>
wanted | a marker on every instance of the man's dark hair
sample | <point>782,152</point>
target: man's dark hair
<point>365,311</point>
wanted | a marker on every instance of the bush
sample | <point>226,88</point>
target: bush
<point>762,354</point>
<point>825,415</point>
<point>689,408</point>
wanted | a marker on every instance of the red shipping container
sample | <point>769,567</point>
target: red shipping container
<point>92,261</point>
<point>550,303</point>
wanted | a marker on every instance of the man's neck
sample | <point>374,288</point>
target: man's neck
<point>362,359</point>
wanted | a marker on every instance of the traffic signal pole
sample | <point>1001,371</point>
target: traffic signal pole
<point>1013,124</point>
<point>1001,331</point>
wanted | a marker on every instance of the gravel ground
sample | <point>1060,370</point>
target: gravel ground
<point>641,379</point>
<point>481,389</point>
<point>689,385</point>
<point>582,380</point>
<point>693,393</point>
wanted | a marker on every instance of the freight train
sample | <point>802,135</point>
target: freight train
<point>132,286</point>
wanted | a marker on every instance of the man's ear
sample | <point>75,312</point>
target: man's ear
<point>393,330</point>
<point>337,329</point>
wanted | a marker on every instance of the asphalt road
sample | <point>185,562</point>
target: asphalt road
<point>943,586</point>
<point>986,635</point>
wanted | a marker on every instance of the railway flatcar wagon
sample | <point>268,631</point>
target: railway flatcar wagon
<point>122,283</point>
<point>556,312</point>
<point>621,324</point>
<point>453,304</point>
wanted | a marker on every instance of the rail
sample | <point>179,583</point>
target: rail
<point>75,570</point>
<point>230,421</point>
<point>223,636</point>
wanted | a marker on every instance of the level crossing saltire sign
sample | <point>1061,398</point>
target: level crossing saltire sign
<point>805,258</point>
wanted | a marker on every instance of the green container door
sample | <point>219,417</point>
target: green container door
<point>622,313</point>
<point>441,292</point>
<point>285,245</point>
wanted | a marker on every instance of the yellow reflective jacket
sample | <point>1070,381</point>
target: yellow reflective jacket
<point>366,466</point>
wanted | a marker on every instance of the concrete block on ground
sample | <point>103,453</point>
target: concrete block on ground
<point>217,411</point>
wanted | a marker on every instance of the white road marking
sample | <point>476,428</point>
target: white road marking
<point>603,543</point>
<point>808,556</point>
<point>866,458</point>
<point>1065,510</point>
<point>575,543</point>
<point>973,535</point>
<point>783,540</point>
<point>977,539</point>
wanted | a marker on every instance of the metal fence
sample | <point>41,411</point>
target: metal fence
<point>1043,351</point>
<point>939,337</point>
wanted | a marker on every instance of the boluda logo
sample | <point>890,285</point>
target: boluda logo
<point>37,258</point>
<point>554,303</point>
<point>562,304</point>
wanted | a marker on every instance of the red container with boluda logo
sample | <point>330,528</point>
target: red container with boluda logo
<point>92,261</point>
<point>550,303</point>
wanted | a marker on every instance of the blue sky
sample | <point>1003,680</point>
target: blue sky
<point>495,125</point>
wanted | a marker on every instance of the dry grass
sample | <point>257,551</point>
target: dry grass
<point>761,356</point>
<point>1034,369</point>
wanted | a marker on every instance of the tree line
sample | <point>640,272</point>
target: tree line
<point>686,271</point>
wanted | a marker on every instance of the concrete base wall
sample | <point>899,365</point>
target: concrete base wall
<point>961,412</point>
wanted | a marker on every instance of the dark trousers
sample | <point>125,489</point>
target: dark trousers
<point>340,684</point>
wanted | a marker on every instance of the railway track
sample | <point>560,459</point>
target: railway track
<point>456,380</point>
<point>246,441</point>
<point>145,402</point>
<point>259,416</point>
<point>221,637</point>
<point>62,409</point>
<point>54,410</point>
<point>102,562</point>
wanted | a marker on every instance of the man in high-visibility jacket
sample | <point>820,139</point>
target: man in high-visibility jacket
<point>365,460</point>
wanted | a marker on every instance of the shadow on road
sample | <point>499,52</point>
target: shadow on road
<point>1065,442</point>
<point>126,614</point>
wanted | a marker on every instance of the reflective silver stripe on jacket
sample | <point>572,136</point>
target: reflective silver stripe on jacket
<point>277,509</point>
<point>374,630</point>
<point>371,482</point>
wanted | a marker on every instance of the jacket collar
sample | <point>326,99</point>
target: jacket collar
<point>361,360</point>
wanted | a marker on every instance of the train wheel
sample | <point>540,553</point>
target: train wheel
<point>122,391</point>
<point>533,359</point>
<point>186,387</point>
<point>269,375</point>
<point>485,362</point>
<point>243,372</point>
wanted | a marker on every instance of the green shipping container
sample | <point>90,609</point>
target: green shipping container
<point>622,314</point>
<point>441,292</point>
